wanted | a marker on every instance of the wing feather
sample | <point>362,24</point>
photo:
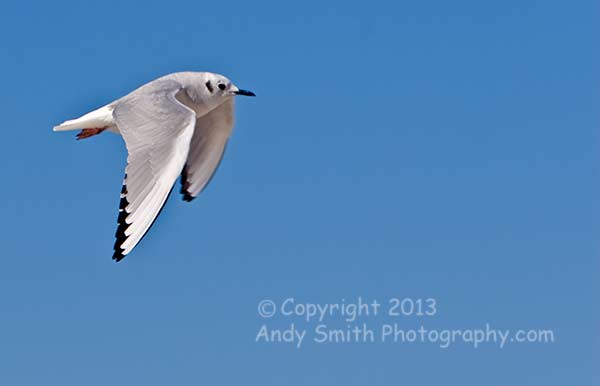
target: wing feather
<point>207,147</point>
<point>157,130</point>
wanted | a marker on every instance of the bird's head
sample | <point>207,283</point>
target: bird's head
<point>218,86</point>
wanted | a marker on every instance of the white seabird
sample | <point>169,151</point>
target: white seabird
<point>175,125</point>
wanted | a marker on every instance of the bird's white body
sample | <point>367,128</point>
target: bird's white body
<point>194,95</point>
<point>175,125</point>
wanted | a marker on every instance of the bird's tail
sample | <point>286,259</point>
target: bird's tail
<point>96,119</point>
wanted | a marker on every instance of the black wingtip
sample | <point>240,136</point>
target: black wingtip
<point>185,184</point>
<point>118,256</point>
<point>122,225</point>
<point>120,234</point>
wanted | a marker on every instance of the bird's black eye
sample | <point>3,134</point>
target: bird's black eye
<point>221,86</point>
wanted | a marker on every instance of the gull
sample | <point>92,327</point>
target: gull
<point>176,125</point>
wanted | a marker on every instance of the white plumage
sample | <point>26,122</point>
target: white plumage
<point>175,125</point>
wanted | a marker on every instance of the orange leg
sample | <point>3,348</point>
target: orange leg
<point>86,133</point>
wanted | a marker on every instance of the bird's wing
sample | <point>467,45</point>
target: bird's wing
<point>206,150</point>
<point>157,130</point>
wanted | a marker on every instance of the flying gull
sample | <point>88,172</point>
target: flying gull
<point>176,125</point>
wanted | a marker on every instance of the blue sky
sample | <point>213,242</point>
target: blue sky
<point>395,149</point>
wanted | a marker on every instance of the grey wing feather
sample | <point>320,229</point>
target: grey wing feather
<point>206,150</point>
<point>157,130</point>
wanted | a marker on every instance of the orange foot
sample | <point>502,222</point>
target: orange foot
<point>86,133</point>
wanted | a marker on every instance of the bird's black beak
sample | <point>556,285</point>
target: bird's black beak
<point>244,92</point>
